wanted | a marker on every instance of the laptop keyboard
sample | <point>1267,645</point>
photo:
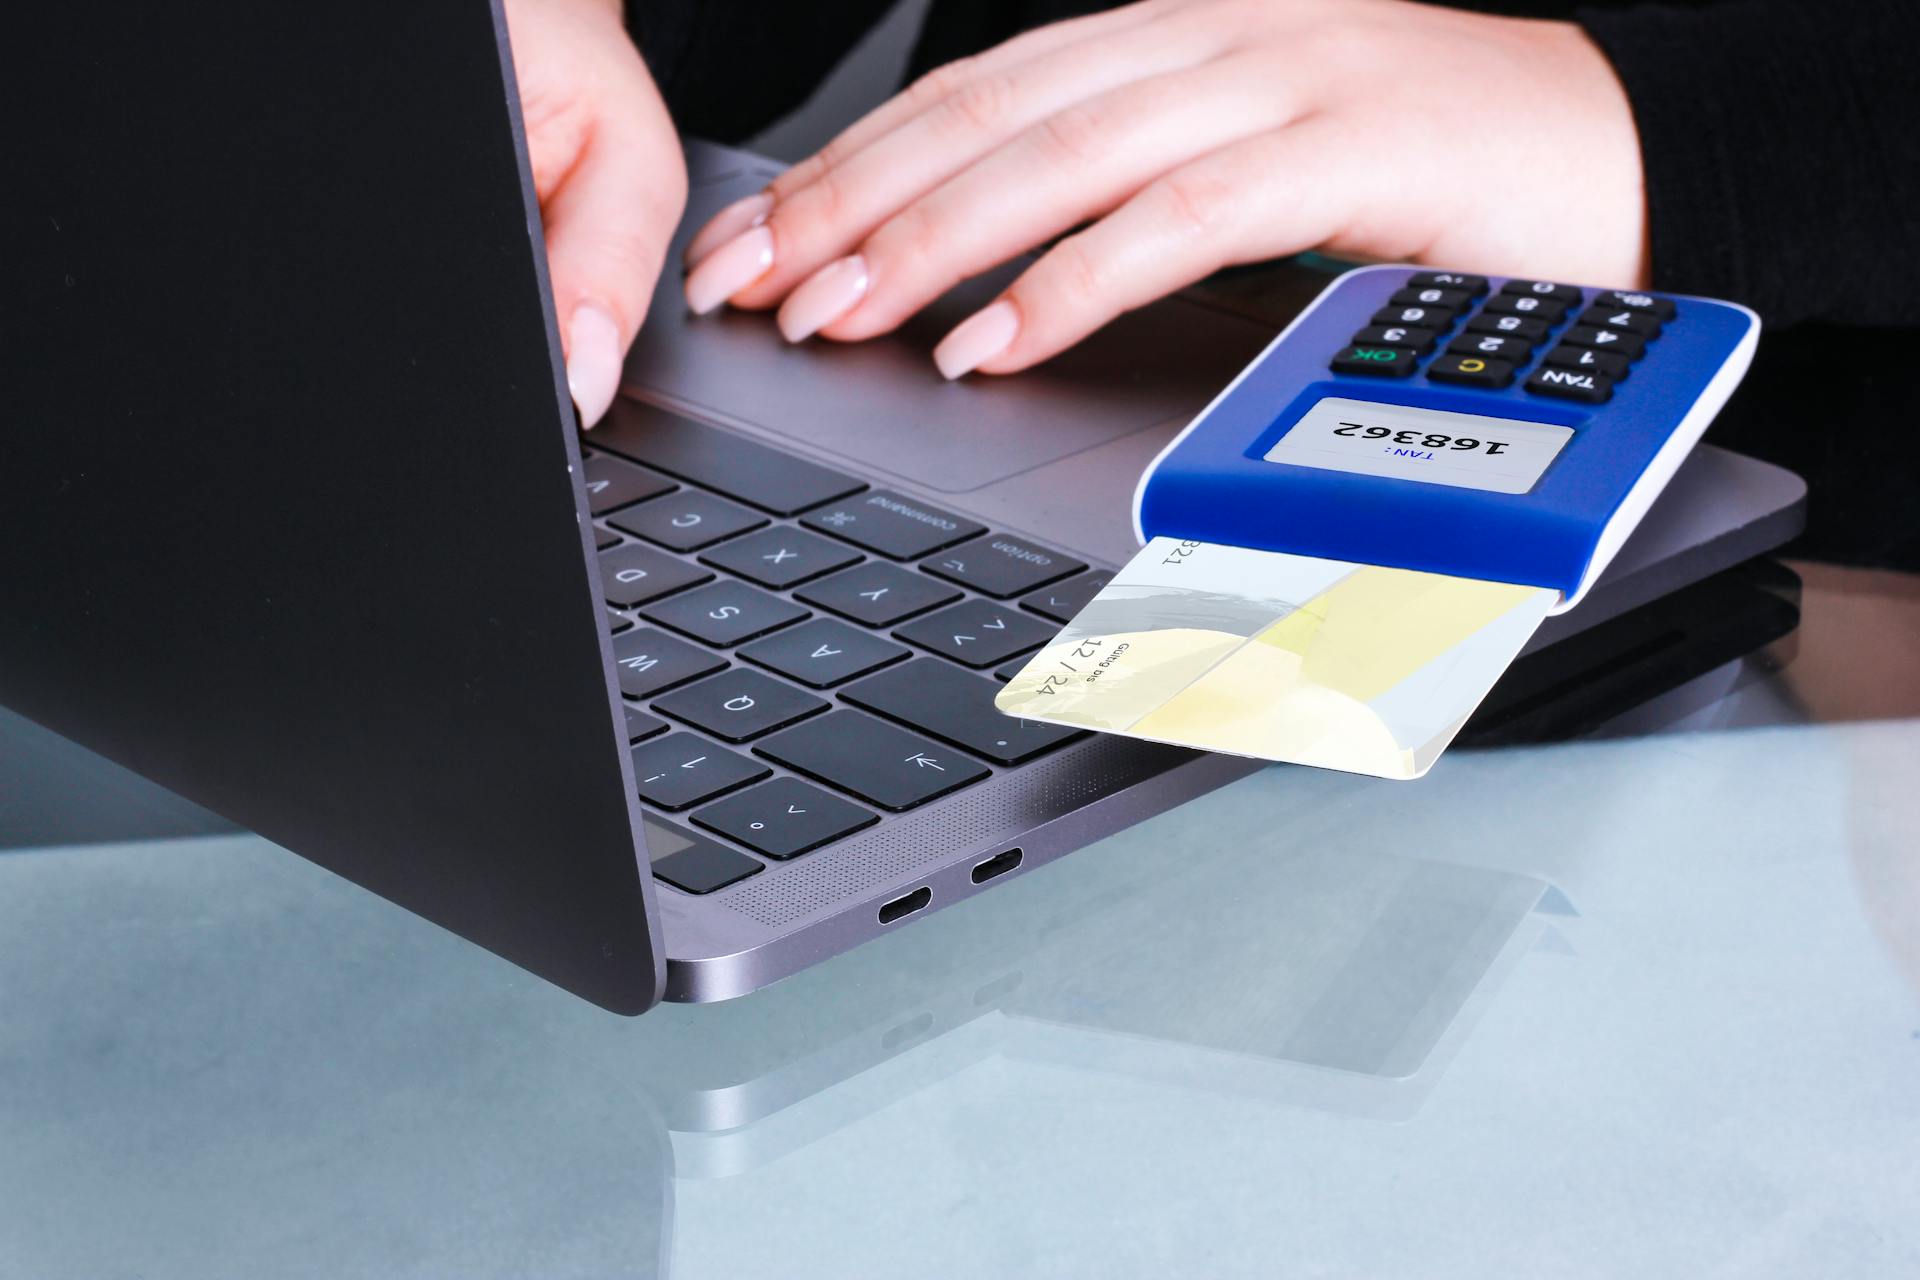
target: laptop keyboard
<point>801,653</point>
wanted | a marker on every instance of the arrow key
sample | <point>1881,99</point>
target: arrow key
<point>823,652</point>
<point>875,761</point>
<point>978,633</point>
<point>785,817</point>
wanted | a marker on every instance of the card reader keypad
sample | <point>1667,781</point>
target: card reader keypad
<point>1600,336</point>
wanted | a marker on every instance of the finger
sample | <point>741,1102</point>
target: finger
<point>751,211</point>
<point>1072,166</point>
<point>1276,194</point>
<point>608,223</point>
<point>944,81</point>
<point>824,219</point>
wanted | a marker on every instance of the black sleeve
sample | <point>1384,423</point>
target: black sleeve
<point>1781,144</point>
<point>729,68</point>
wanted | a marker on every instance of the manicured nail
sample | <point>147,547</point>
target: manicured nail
<point>824,297</point>
<point>729,269</point>
<point>977,339</point>
<point>593,362</point>
<point>741,215</point>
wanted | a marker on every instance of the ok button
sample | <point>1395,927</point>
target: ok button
<point>739,704</point>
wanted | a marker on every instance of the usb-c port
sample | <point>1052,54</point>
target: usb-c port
<point>998,865</point>
<point>905,906</point>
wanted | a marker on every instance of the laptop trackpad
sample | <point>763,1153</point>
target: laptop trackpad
<point>881,405</point>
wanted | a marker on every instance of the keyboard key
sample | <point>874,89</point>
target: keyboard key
<point>754,473</point>
<point>1431,296</point>
<point>1491,346</point>
<point>781,556</point>
<point>617,622</point>
<point>823,652</point>
<point>785,817</point>
<point>1418,341</point>
<point>641,726</point>
<point>1564,294</point>
<point>611,483</point>
<point>687,520</point>
<point>1373,362</point>
<point>1472,371</point>
<point>1474,285</point>
<point>978,633</point>
<point>698,865</point>
<point>1064,600</point>
<point>647,661</point>
<point>1551,310</point>
<point>682,769</point>
<point>724,613</point>
<point>1435,318</point>
<point>739,704</point>
<point>1641,324</point>
<point>631,574</point>
<point>1660,308</point>
<point>875,761</point>
<point>956,707</point>
<point>1567,356</point>
<point>1571,384</point>
<point>1001,566</point>
<point>892,524</point>
<point>1630,345</point>
<point>604,538</point>
<point>1008,670</point>
<point>1526,328</point>
<point>877,593</point>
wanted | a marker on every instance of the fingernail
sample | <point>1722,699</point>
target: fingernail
<point>729,269</point>
<point>593,362</point>
<point>824,297</point>
<point>723,226</point>
<point>977,339</point>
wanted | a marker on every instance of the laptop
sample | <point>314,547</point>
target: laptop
<point>295,521</point>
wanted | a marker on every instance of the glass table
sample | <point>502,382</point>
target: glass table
<point>1643,1003</point>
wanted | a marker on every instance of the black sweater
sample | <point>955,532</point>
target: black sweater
<point>1781,141</point>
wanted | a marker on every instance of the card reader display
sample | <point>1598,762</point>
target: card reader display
<point>1434,446</point>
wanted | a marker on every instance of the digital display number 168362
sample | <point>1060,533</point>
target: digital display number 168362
<point>1423,439</point>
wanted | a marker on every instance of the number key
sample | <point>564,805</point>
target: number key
<point>1643,324</point>
<point>1565,294</point>
<point>1436,318</point>
<point>1567,356</point>
<point>1395,335</point>
<point>1525,328</point>
<point>1618,341</point>
<point>1431,296</point>
<point>1515,351</point>
<point>1550,310</point>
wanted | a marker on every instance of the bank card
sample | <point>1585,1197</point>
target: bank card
<point>1255,653</point>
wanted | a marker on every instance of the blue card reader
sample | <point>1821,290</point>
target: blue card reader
<point>1507,430</point>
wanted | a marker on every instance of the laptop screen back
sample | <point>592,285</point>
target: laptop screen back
<point>289,513</point>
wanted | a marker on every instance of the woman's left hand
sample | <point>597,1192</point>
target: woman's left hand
<point>1188,135</point>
